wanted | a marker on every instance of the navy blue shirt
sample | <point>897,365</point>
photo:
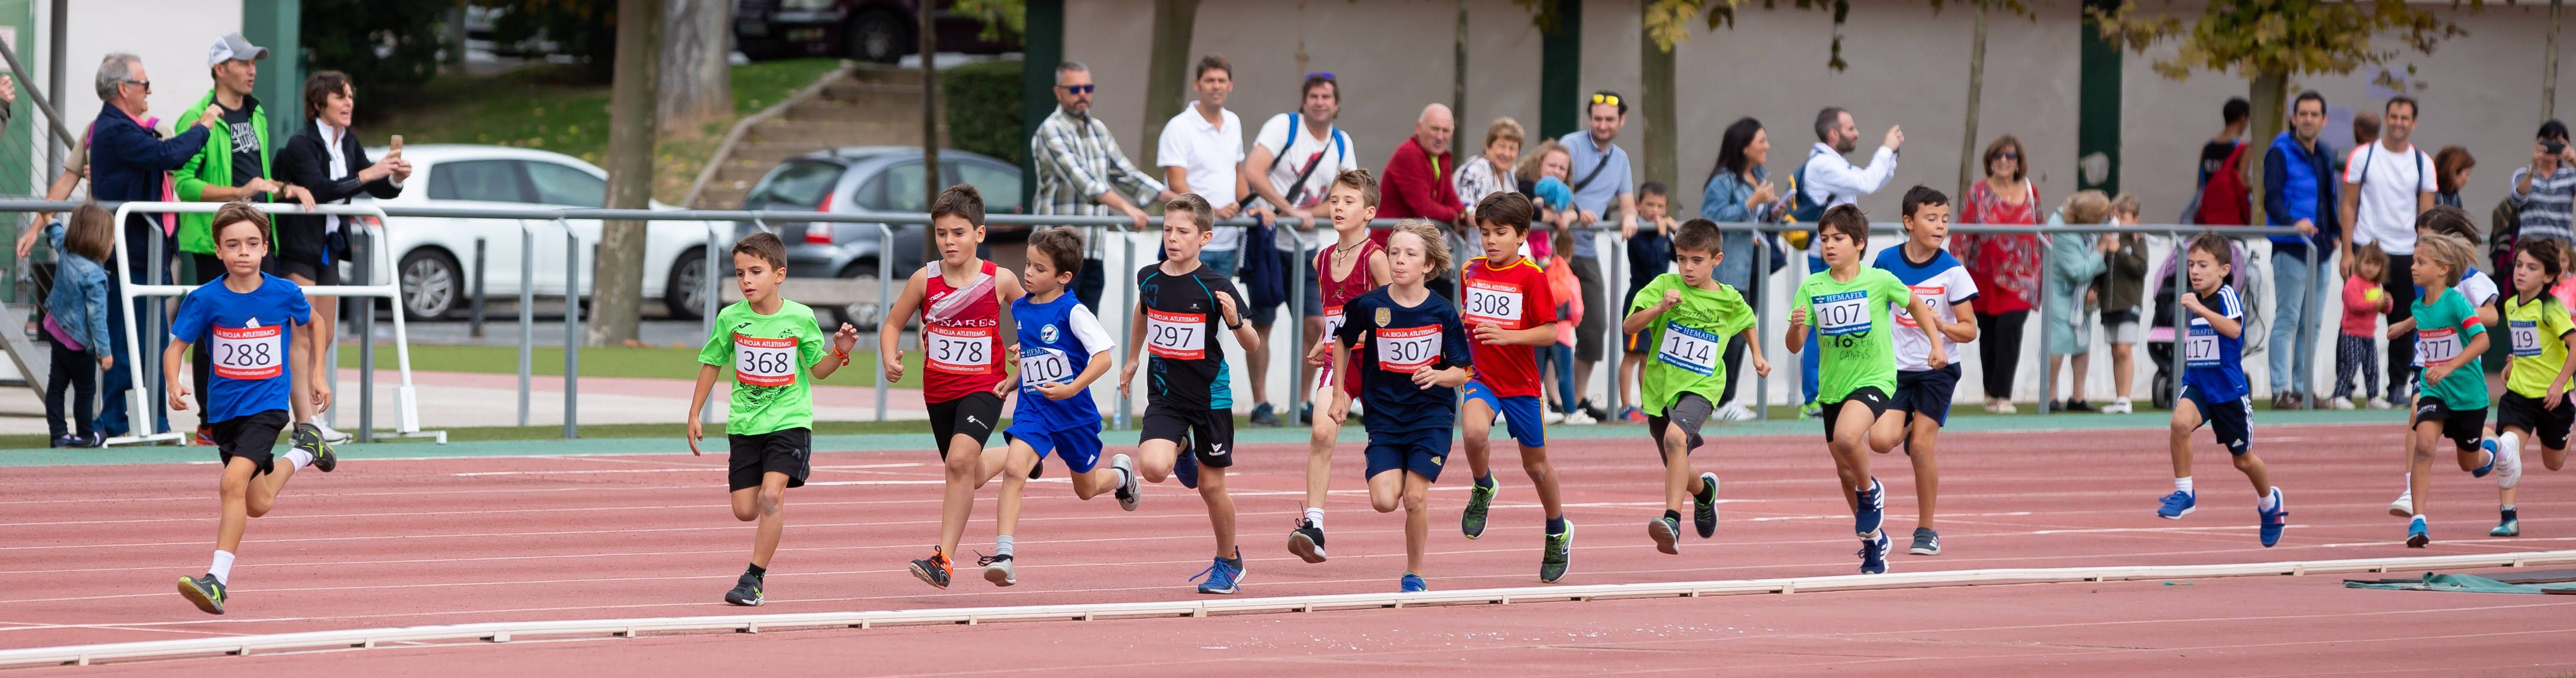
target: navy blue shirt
<point>1403,340</point>
<point>248,335</point>
<point>2213,363</point>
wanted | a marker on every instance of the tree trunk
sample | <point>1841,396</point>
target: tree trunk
<point>1458,88</point>
<point>2270,95</point>
<point>1968,169</point>
<point>2549,71</point>
<point>620,284</point>
<point>931,179</point>
<point>456,38</point>
<point>1167,71</point>
<point>694,83</point>
<point>1656,103</point>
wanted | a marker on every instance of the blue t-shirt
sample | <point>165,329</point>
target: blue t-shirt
<point>1601,182</point>
<point>1402,341</point>
<point>1057,340</point>
<point>2213,363</point>
<point>248,336</point>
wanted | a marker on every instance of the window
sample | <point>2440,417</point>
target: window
<point>897,188</point>
<point>797,183</point>
<point>1000,186</point>
<point>560,184</point>
<point>484,180</point>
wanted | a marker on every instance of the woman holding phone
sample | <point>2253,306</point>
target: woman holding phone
<point>326,159</point>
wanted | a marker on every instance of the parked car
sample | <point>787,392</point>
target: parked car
<point>869,179</point>
<point>867,30</point>
<point>434,255</point>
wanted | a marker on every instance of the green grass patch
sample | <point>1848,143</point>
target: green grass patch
<point>647,362</point>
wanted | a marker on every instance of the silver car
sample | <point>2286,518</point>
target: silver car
<point>869,179</point>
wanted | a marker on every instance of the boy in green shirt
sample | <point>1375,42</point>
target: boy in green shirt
<point>2534,402</point>
<point>1848,305</point>
<point>774,347</point>
<point>1684,320</point>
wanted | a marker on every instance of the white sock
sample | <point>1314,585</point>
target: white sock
<point>2409,487</point>
<point>1002,545</point>
<point>301,457</point>
<point>2183,485</point>
<point>222,568</point>
<point>2270,500</point>
<point>1316,516</point>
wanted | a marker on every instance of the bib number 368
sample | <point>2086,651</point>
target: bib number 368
<point>762,361</point>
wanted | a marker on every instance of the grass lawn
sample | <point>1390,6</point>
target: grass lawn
<point>649,362</point>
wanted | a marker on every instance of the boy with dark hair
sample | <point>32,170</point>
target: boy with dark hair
<point>964,303</point>
<point>774,348</point>
<point>1686,319</point>
<point>1849,306</point>
<point>1508,309</point>
<point>1923,392</point>
<point>1649,254</point>
<point>1188,427</point>
<point>2214,390</point>
<point>1062,349</point>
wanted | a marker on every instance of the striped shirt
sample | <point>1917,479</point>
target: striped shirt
<point>1077,160</point>
<point>2546,209</point>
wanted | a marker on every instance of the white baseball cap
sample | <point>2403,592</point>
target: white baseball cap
<point>233,46</point>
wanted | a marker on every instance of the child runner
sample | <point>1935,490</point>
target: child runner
<point>2535,396</point>
<point>1856,365</point>
<point>962,300</point>
<point>1189,399</point>
<point>1509,310</point>
<point>2452,400</point>
<point>246,319</point>
<point>1062,349</point>
<point>1410,376</point>
<point>2214,390</point>
<point>1649,255</point>
<point>1685,320</point>
<point>2481,292</point>
<point>775,350</point>
<point>1351,268</point>
<point>2357,341</point>
<point>1923,392</point>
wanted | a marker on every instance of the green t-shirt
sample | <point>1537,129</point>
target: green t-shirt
<point>1688,342</point>
<point>2442,332</point>
<point>771,356</point>
<point>2539,334</point>
<point>1853,330</point>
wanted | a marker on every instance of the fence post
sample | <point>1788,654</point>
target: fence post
<point>2307,334</point>
<point>1297,390</point>
<point>160,338</point>
<point>1126,321</point>
<point>885,302</point>
<point>572,334</point>
<point>2047,362</point>
<point>527,311</point>
<point>1761,311</point>
<point>367,336</point>
<point>707,300</point>
<point>2181,259</point>
<point>477,323</point>
<point>1616,342</point>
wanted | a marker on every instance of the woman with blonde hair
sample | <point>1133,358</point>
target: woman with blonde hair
<point>2073,260</point>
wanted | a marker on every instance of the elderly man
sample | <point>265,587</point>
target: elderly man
<point>1081,171</point>
<point>127,160</point>
<point>1417,183</point>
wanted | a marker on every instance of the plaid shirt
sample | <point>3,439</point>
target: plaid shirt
<point>2546,209</point>
<point>1077,160</point>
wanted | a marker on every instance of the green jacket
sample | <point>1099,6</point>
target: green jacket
<point>213,166</point>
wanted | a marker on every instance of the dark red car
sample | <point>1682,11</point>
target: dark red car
<point>867,30</point>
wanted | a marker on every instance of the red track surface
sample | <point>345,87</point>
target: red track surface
<point>89,553</point>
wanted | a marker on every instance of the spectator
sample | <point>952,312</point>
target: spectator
<point>2299,195</point>
<point>1418,184</point>
<point>1081,171</point>
<point>2451,172</point>
<point>2005,266</point>
<point>2121,289</point>
<point>127,162</point>
<point>1300,152</point>
<point>1485,175</point>
<point>2386,184</point>
<point>326,160</point>
<point>1600,183</point>
<point>78,325</point>
<point>2365,129</point>
<point>1541,177</point>
<point>2214,155</point>
<point>1650,253</point>
<point>2222,198</point>
<point>2073,260</point>
<point>2357,337</point>
<point>2541,191</point>
<point>233,165</point>
<point>1202,152</point>
<point>1827,179</point>
<point>1739,191</point>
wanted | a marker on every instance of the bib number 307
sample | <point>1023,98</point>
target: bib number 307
<point>1408,349</point>
<point>249,352</point>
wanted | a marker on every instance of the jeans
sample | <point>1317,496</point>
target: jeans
<point>2293,322</point>
<point>1223,262</point>
<point>1560,358</point>
<point>1736,270</point>
<point>1088,284</point>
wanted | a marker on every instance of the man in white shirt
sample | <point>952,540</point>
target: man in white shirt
<point>1201,151</point>
<point>1291,165</point>
<point>1827,179</point>
<point>2385,185</point>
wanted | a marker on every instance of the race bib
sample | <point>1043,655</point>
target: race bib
<point>762,361</point>
<point>1933,296</point>
<point>249,352</point>
<point>1690,349</point>
<point>1408,349</point>
<point>1492,302</point>
<point>1333,321</point>
<point>2201,348</point>
<point>1842,313</point>
<point>1176,336</point>
<point>2434,346</point>
<point>2526,337</point>
<point>1045,366</point>
<point>958,350</point>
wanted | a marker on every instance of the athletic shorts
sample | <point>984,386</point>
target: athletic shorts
<point>1264,315</point>
<point>1690,412</point>
<point>973,415</point>
<point>2549,424</point>
<point>1633,343</point>
<point>251,436</point>
<point>1926,393</point>
<point>2125,333</point>
<point>789,451</point>
<point>1208,433</point>
<point>2465,427</point>
<point>1079,449</point>
<point>1417,451</point>
<point>1866,396</point>
<point>1520,413</point>
<point>311,267</point>
<point>2232,420</point>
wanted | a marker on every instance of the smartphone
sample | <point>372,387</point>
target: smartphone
<point>397,143</point>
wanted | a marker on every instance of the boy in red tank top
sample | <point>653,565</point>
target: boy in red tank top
<point>964,303</point>
<point>1351,268</point>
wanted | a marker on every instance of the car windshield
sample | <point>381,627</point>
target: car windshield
<point>798,183</point>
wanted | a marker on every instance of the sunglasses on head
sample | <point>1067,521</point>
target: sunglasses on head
<point>1078,89</point>
<point>1605,99</point>
<point>1320,75</point>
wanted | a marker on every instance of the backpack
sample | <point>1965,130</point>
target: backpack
<point>2224,199</point>
<point>1802,208</point>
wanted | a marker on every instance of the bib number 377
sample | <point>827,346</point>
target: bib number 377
<point>249,352</point>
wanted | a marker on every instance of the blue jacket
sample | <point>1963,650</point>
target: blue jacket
<point>79,299</point>
<point>126,160</point>
<point>2299,184</point>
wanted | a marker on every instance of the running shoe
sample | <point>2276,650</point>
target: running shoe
<point>1927,542</point>
<point>1560,550</point>
<point>1704,506</point>
<point>1873,554</point>
<point>2273,520</point>
<point>997,569</point>
<point>1581,418</point>
<point>746,592</point>
<point>206,436</point>
<point>205,592</point>
<point>1632,415</point>
<point>2341,403</point>
<point>68,441</point>
<point>1186,468</point>
<point>1811,411</point>
<point>1307,541</point>
<point>331,435</point>
<point>2380,404</point>
<point>2177,505</point>
<point>2417,533</point>
<point>1412,583</point>
<point>1872,510</point>
<point>2508,463</point>
<point>2482,471</point>
<point>2404,507</point>
<point>1551,416</point>
<point>309,439</point>
<point>934,570</point>
<point>1480,498</point>
<point>1591,411</point>
<point>1734,411</point>
<point>1667,534</point>
<point>1224,577</point>
<point>1128,490</point>
<point>2510,527</point>
<point>1262,415</point>
<point>2117,407</point>
<point>1306,414</point>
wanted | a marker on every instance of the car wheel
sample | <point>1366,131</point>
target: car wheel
<point>685,291</point>
<point>881,37</point>
<point>865,313</point>
<point>431,284</point>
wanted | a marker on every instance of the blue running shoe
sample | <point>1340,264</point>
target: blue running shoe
<point>1873,554</point>
<point>2275,519</point>
<point>2417,534</point>
<point>1224,577</point>
<point>2482,471</point>
<point>1412,583</point>
<point>1872,510</point>
<point>2177,505</point>
<point>2511,527</point>
<point>1186,468</point>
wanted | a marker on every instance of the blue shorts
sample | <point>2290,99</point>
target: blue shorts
<point>1926,393</point>
<point>1417,451</point>
<point>2232,420</point>
<point>1520,413</point>
<point>1078,449</point>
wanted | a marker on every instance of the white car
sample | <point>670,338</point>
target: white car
<point>435,255</point>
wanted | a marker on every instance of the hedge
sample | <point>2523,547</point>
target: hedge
<point>983,102</point>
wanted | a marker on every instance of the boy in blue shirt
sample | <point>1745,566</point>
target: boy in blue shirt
<point>2214,390</point>
<point>1417,358</point>
<point>1062,349</point>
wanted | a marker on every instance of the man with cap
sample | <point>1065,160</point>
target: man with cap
<point>233,165</point>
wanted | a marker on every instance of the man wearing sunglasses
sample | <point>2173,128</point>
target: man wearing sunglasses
<point>1601,183</point>
<point>127,160</point>
<point>1081,171</point>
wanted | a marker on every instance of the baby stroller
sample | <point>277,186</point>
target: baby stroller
<point>2160,329</point>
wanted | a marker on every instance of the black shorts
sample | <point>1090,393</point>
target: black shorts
<point>788,451</point>
<point>2232,420</point>
<point>1633,343</point>
<point>2549,424</point>
<point>1690,412</point>
<point>974,415</point>
<point>1867,396</point>
<point>1210,433</point>
<point>311,267</point>
<point>252,437</point>
<point>1926,393</point>
<point>2465,428</point>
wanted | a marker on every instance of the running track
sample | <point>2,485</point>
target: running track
<point>88,554</point>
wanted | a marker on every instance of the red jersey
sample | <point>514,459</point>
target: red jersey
<point>1514,297</point>
<point>1342,291</point>
<point>960,336</point>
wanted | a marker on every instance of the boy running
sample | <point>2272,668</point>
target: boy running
<point>247,318</point>
<point>1923,392</point>
<point>962,300</point>
<point>1848,305</point>
<point>1189,398</point>
<point>1685,320</point>
<point>2452,402</point>
<point>775,350</point>
<point>1355,265</point>
<point>2214,390</point>
<point>2535,396</point>
<point>1410,380</point>
<point>1062,349</point>
<point>2482,293</point>
<point>1509,310</point>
